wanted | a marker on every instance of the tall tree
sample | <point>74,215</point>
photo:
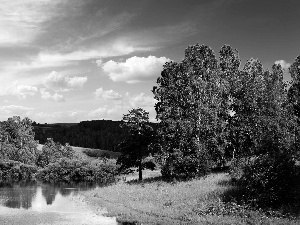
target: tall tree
<point>136,147</point>
<point>189,104</point>
<point>294,91</point>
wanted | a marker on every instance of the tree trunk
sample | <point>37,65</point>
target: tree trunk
<point>140,171</point>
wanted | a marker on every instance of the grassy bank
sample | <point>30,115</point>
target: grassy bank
<point>199,201</point>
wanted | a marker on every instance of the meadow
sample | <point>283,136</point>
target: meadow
<point>205,200</point>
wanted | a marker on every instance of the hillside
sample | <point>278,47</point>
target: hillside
<point>97,134</point>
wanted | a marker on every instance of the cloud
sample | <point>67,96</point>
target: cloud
<point>284,65</point>
<point>98,113</point>
<point>15,110</point>
<point>141,100</point>
<point>22,91</point>
<point>59,82</point>
<point>20,21</point>
<point>134,69</point>
<point>107,95</point>
<point>47,96</point>
<point>109,49</point>
<point>63,117</point>
<point>114,112</point>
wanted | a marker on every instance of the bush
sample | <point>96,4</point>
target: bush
<point>73,170</point>
<point>97,153</point>
<point>267,180</point>
<point>236,168</point>
<point>181,166</point>
<point>52,151</point>
<point>16,171</point>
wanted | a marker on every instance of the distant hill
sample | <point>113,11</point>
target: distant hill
<point>97,134</point>
<point>66,124</point>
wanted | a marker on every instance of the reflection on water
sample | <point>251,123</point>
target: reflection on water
<point>39,203</point>
<point>61,199</point>
<point>18,195</point>
<point>29,194</point>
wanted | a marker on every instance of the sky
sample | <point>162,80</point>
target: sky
<point>66,61</point>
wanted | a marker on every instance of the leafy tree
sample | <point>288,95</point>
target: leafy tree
<point>189,106</point>
<point>136,147</point>
<point>17,140</point>
<point>294,91</point>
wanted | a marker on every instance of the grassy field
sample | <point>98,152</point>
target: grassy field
<point>199,201</point>
<point>80,152</point>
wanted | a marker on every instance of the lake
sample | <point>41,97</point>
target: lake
<point>39,203</point>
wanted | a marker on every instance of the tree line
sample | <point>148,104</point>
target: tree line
<point>213,113</point>
<point>97,134</point>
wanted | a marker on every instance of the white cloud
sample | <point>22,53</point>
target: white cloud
<point>134,69</point>
<point>115,48</point>
<point>141,100</point>
<point>15,110</point>
<point>98,113</point>
<point>99,62</point>
<point>20,20</point>
<point>59,82</point>
<point>117,111</point>
<point>22,91</point>
<point>47,96</point>
<point>63,117</point>
<point>284,65</point>
<point>107,95</point>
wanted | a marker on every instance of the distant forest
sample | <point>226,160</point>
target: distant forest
<point>100,134</point>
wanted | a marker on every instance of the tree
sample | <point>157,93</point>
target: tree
<point>189,109</point>
<point>17,140</point>
<point>136,147</point>
<point>52,151</point>
<point>294,91</point>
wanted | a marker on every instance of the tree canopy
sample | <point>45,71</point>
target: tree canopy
<point>136,147</point>
<point>210,109</point>
<point>17,140</point>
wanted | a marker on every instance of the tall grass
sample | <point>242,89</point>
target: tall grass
<point>198,201</point>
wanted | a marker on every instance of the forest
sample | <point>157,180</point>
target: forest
<point>212,114</point>
<point>99,134</point>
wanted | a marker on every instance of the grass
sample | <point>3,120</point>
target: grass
<point>199,201</point>
<point>95,153</point>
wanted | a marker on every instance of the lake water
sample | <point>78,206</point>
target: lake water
<point>44,204</point>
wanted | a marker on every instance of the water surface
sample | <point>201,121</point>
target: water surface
<point>40,203</point>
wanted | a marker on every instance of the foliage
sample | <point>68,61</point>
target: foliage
<point>17,140</point>
<point>52,151</point>
<point>16,171</point>
<point>96,134</point>
<point>74,170</point>
<point>136,147</point>
<point>269,181</point>
<point>97,153</point>
<point>189,109</point>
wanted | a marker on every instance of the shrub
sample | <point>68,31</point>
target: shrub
<point>16,171</point>
<point>52,151</point>
<point>236,169</point>
<point>267,180</point>
<point>181,166</point>
<point>73,170</point>
<point>97,153</point>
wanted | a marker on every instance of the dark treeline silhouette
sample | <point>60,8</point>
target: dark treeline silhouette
<point>100,134</point>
